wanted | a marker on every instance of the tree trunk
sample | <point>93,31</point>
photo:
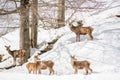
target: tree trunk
<point>61,13</point>
<point>24,28</point>
<point>34,24</point>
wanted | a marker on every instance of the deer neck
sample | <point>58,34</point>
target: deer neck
<point>72,27</point>
<point>10,52</point>
<point>72,62</point>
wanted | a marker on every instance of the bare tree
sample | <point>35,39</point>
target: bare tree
<point>34,23</point>
<point>61,13</point>
<point>24,27</point>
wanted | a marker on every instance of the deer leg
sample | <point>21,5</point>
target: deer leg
<point>39,71</point>
<point>77,38</point>
<point>35,71</point>
<point>14,63</point>
<point>86,69</point>
<point>90,69</point>
<point>51,71</point>
<point>22,60</point>
<point>76,71</point>
<point>91,37</point>
<point>29,71</point>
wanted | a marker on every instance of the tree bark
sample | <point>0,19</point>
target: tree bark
<point>34,24</point>
<point>61,13</point>
<point>24,28</point>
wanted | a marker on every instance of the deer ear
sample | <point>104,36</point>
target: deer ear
<point>6,46</point>
<point>9,46</point>
<point>74,56</point>
<point>70,55</point>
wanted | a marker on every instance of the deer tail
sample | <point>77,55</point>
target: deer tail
<point>91,28</point>
<point>89,63</point>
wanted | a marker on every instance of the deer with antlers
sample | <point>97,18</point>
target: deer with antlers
<point>76,64</point>
<point>17,54</point>
<point>80,30</point>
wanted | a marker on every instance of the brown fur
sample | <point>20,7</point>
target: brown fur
<point>1,57</point>
<point>17,54</point>
<point>80,64</point>
<point>32,67</point>
<point>80,30</point>
<point>42,65</point>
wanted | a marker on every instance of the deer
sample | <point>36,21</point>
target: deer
<point>16,54</point>
<point>39,65</point>
<point>31,67</point>
<point>43,65</point>
<point>76,64</point>
<point>81,30</point>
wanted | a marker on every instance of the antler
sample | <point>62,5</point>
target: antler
<point>72,21</point>
<point>80,23</point>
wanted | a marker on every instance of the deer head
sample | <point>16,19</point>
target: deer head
<point>70,23</point>
<point>80,23</point>
<point>7,48</point>
<point>73,57</point>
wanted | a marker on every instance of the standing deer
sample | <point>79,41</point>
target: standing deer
<point>80,30</point>
<point>17,54</point>
<point>42,65</point>
<point>39,65</point>
<point>80,65</point>
<point>32,67</point>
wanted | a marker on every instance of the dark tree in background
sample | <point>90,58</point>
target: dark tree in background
<point>34,23</point>
<point>24,27</point>
<point>61,13</point>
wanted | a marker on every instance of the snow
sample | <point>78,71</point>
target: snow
<point>55,77</point>
<point>103,52</point>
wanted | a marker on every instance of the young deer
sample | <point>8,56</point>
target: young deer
<point>39,65</point>
<point>32,67</point>
<point>42,65</point>
<point>80,30</point>
<point>80,65</point>
<point>17,54</point>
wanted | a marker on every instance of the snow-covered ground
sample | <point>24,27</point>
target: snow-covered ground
<point>103,52</point>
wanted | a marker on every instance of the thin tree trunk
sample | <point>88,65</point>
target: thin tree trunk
<point>24,28</point>
<point>61,13</point>
<point>34,24</point>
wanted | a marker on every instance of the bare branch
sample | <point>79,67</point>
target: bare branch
<point>5,12</point>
